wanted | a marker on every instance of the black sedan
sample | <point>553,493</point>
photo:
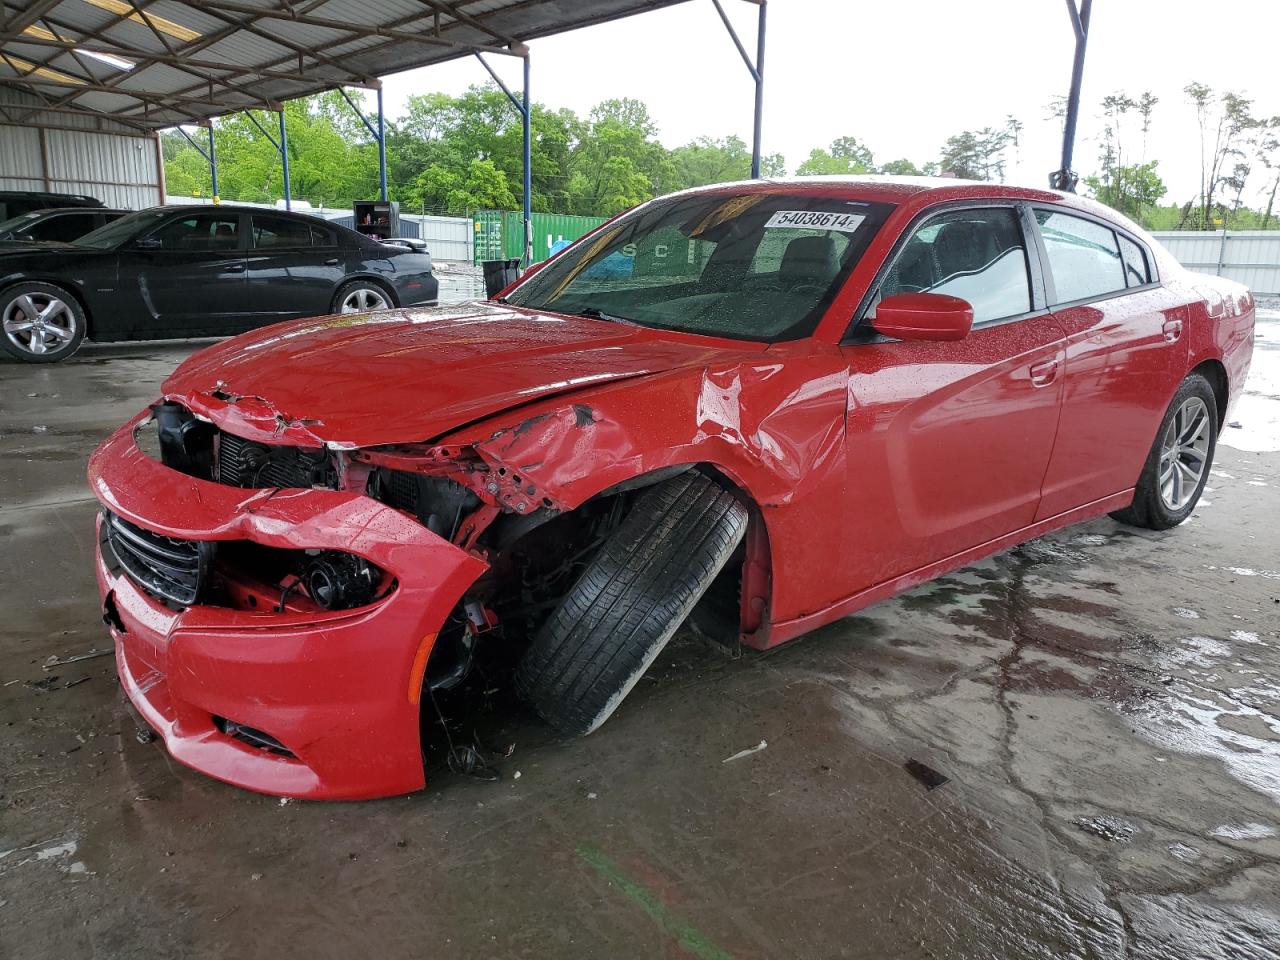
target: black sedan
<point>61,224</point>
<point>171,272</point>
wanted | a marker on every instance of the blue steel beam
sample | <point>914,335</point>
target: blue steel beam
<point>756,69</point>
<point>1066,178</point>
<point>522,105</point>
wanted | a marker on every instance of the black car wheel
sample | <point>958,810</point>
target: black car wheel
<point>630,600</point>
<point>361,296</point>
<point>1178,466</point>
<point>42,323</point>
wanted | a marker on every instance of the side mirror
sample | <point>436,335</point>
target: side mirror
<point>25,237</point>
<point>923,316</point>
<point>147,243</point>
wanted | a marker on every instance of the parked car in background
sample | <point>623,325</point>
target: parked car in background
<point>196,272</point>
<point>14,203</point>
<point>763,405</point>
<point>59,224</point>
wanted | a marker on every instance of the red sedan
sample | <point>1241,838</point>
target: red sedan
<point>758,407</point>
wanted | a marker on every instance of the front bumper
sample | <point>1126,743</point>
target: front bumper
<point>336,689</point>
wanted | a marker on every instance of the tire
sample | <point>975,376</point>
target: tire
<point>632,597</point>
<point>55,331</point>
<point>1194,409</point>
<point>362,296</point>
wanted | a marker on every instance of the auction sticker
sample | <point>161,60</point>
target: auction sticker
<point>816,220</point>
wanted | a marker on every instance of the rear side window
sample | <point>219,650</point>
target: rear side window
<point>280,232</point>
<point>1136,270</point>
<point>1084,258</point>
<point>976,255</point>
<point>320,237</point>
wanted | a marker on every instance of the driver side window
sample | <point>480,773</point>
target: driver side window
<point>976,255</point>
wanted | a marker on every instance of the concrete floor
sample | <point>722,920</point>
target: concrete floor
<point>1105,703</point>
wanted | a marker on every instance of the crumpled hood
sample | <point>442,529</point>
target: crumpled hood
<point>411,375</point>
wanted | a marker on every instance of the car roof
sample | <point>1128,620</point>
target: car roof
<point>233,208</point>
<point>45,211</point>
<point>873,187</point>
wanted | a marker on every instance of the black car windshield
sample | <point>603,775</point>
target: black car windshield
<point>15,224</point>
<point>751,266</point>
<point>116,232</point>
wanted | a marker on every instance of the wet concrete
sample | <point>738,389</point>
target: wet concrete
<point>1104,703</point>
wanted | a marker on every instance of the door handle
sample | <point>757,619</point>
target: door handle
<point>331,262</point>
<point>1172,330</point>
<point>234,268</point>
<point>1043,374</point>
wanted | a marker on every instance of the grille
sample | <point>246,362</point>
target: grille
<point>177,570</point>
<point>243,463</point>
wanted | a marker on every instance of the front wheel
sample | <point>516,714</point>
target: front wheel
<point>632,597</point>
<point>1178,466</point>
<point>42,323</point>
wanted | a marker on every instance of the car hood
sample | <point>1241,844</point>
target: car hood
<point>402,376</point>
<point>26,247</point>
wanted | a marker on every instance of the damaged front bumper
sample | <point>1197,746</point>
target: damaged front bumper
<point>316,704</point>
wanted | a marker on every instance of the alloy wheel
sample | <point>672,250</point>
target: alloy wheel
<point>39,323</point>
<point>364,299</point>
<point>1184,453</point>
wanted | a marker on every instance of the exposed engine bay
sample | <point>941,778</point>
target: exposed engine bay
<point>534,548</point>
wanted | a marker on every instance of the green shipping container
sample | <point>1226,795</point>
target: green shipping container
<point>500,233</point>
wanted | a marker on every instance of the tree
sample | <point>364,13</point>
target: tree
<point>1132,189</point>
<point>707,161</point>
<point>1267,148</point>
<point>976,154</point>
<point>618,161</point>
<point>901,168</point>
<point>847,155</point>
<point>1224,122</point>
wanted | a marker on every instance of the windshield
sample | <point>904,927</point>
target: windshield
<point>751,266</point>
<point>117,232</point>
<point>15,224</point>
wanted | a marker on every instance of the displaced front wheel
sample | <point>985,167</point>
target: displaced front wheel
<point>634,594</point>
<point>1178,466</point>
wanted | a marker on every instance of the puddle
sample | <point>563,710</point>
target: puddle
<point>1242,831</point>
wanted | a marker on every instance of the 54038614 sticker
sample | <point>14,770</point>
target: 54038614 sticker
<point>816,220</point>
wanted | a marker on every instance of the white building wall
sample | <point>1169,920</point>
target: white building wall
<point>118,165</point>
<point>1251,257</point>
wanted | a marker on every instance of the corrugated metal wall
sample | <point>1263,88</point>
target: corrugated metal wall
<point>114,163</point>
<point>1251,257</point>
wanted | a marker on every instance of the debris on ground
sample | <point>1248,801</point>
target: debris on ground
<point>92,654</point>
<point>747,752</point>
<point>1108,828</point>
<point>930,777</point>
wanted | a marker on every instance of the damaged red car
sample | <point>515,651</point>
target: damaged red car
<point>757,406</point>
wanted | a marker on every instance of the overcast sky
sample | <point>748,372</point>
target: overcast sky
<point>902,77</point>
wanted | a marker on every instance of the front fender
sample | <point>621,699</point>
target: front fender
<point>774,426</point>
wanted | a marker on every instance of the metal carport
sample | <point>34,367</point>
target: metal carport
<point>145,65</point>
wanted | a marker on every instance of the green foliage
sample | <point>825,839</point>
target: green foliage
<point>1130,189</point>
<point>707,161</point>
<point>978,154</point>
<point>847,156</point>
<point>456,154</point>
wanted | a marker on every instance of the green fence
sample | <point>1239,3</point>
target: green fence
<point>500,233</point>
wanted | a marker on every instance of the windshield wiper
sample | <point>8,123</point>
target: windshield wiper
<point>593,313</point>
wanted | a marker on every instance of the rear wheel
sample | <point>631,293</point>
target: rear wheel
<point>634,594</point>
<point>361,296</point>
<point>1178,466</point>
<point>41,322</point>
